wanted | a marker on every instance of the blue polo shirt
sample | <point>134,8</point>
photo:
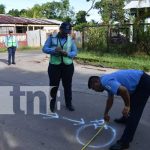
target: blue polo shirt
<point>127,78</point>
<point>49,48</point>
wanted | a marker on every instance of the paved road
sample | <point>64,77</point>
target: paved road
<point>68,129</point>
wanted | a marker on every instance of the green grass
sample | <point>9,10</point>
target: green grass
<point>3,50</point>
<point>24,48</point>
<point>138,61</point>
<point>114,61</point>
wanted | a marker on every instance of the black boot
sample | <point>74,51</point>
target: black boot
<point>119,146</point>
<point>70,108</point>
<point>122,120</point>
<point>52,105</point>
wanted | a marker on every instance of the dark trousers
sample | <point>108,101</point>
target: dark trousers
<point>65,73</point>
<point>138,101</point>
<point>11,54</point>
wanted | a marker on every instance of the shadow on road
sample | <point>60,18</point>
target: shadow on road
<point>4,61</point>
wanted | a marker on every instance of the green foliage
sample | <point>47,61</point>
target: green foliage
<point>50,10</point>
<point>122,49</point>
<point>143,44</point>
<point>80,27</point>
<point>2,9</point>
<point>57,10</point>
<point>111,10</point>
<point>99,39</point>
<point>114,60</point>
<point>23,13</point>
<point>67,19</point>
<point>81,17</point>
<point>96,39</point>
<point>14,12</point>
<point>3,50</point>
<point>25,48</point>
<point>36,11</point>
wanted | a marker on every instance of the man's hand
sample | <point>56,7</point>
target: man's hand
<point>58,49</point>
<point>126,111</point>
<point>64,53</point>
<point>106,117</point>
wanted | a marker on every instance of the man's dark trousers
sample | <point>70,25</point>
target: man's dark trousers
<point>138,101</point>
<point>11,54</point>
<point>65,73</point>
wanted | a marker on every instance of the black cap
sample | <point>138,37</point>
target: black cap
<point>10,31</point>
<point>66,27</point>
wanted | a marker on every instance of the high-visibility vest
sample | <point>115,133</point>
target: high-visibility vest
<point>56,60</point>
<point>11,41</point>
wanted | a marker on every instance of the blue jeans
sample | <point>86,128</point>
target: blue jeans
<point>11,54</point>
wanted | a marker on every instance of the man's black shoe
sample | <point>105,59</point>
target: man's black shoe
<point>14,63</point>
<point>52,106</point>
<point>119,146</point>
<point>70,108</point>
<point>122,120</point>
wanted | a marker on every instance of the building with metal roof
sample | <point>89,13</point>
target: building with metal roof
<point>139,8</point>
<point>137,4</point>
<point>22,24</point>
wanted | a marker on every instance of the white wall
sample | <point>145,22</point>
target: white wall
<point>36,38</point>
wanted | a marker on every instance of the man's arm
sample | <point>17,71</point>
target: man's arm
<point>109,104</point>
<point>123,92</point>
<point>17,45</point>
<point>48,48</point>
<point>73,51</point>
<point>5,41</point>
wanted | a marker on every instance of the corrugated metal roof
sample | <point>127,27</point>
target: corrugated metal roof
<point>7,19</point>
<point>138,4</point>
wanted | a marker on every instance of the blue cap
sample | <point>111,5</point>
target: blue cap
<point>66,27</point>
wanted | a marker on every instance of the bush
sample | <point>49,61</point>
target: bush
<point>96,39</point>
<point>143,42</point>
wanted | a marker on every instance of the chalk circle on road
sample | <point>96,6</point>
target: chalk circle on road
<point>105,137</point>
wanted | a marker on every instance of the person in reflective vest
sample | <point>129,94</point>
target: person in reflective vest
<point>62,50</point>
<point>11,43</point>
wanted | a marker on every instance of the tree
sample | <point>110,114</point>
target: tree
<point>92,5</point>
<point>14,12</point>
<point>81,21</point>
<point>67,12</point>
<point>23,13</point>
<point>51,10</point>
<point>81,17</point>
<point>58,10</point>
<point>111,10</point>
<point>2,9</point>
<point>34,12</point>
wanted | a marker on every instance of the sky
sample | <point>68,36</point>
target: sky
<point>24,4</point>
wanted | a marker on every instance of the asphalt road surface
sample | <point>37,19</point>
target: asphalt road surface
<point>20,129</point>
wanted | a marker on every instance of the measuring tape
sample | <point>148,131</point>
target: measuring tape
<point>101,128</point>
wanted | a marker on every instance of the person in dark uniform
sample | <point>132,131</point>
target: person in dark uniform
<point>62,50</point>
<point>11,43</point>
<point>134,88</point>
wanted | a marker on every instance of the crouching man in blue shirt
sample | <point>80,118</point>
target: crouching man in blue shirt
<point>134,88</point>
